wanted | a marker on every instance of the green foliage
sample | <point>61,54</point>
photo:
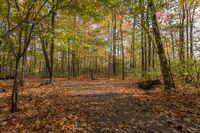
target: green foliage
<point>85,29</point>
<point>189,72</point>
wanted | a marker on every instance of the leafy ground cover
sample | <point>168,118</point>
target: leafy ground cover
<point>100,106</point>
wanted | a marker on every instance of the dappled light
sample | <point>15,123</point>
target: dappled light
<point>99,66</point>
<point>98,106</point>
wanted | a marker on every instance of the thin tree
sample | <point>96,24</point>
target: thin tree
<point>122,46</point>
<point>29,20</point>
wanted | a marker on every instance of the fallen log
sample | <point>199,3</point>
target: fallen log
<point>149,84</point>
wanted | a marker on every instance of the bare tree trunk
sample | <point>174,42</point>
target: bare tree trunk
<point>149,39</point>
<point>91,65</point>
<point>23,69</point>
<point>182,37</point>
<point>153,56</point>
<point>44,49</point>
<point>191,30</point>
<point>145,53</point>
<point>68,62</point>
<point>35,58</point>
<point>14,99</point>
<point>52,45</point>
<point>133,60</point>
<point>122,47</point>
<point>142,38</point>
<point>114,44</point>
<point>63,61</point>
<point>187,32</point>
<point>173,46</point>
<point>73,63</point>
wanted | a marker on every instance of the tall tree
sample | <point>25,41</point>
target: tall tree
<point>28,16</point>
<point>141,4</point>
<point>114,22</point>
<point>122,45</point>
<point>52,39</point>
<point>165,67</point>
<point>191,19</point>
<point>182,35</point>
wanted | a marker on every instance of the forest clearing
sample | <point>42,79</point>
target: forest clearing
<point>98,66</point>
<point>104,105</point>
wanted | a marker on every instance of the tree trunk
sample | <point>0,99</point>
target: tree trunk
<point>133,60</point>
<point>73,63</point>
<point>35,58</point>
<point>165,68</point>
<point>63,61</point>
<point>14,99</point>
<point>91,66</point>
<point>149,39</point>
<point>122,48</point>
<point>187,32</point>
<point>68,62</point>
<point>191,30</point>
<point>173,46</point>
<point>142,39</point>
<point>182,37</point>
<point>23,69</point>
<point>114,43</point>
<point>52,45</point>
<point>145,53</point>
<point>44,49</point>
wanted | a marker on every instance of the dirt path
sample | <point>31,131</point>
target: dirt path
<point>102,106</point>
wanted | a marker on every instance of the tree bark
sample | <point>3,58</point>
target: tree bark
<point>187,32</point>
<point>114,44</point>
<point>68,61</point>
<point>165,68</point>
<point>172,41</point>
<point>23,69</point>
<point>52,44</point>
<point>14,99</point>
<point>73,63</point>
<point>191,30</point>
<point>149,39</point>
<point>133,60</point>
<point>44,49</point>
<point>182,37</point>
<point>141,4</point>
<point>122,47</point>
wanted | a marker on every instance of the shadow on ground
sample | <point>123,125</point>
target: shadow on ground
<point>92,107</point>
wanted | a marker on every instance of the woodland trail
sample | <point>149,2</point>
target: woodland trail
<point>99,106</point>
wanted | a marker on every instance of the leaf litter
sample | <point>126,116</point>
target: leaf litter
<point>101,106</point>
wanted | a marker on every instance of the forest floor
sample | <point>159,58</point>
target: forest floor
<point>99,106</point>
